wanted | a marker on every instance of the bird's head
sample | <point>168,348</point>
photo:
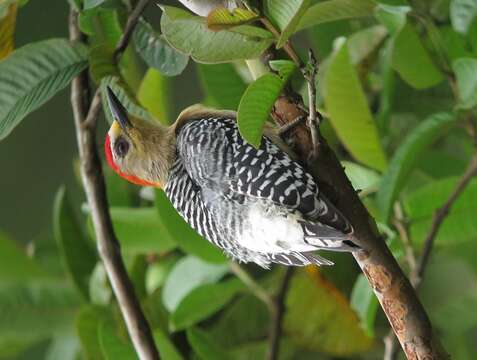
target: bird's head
<point>139,151</point>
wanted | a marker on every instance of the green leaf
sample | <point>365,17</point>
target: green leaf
<point>349,113</point>
<point>112,346</point>
<point>223,84</point>
<point>333,10</point>
<point>253,32</point>
<point>155,94</point>
<point>189,35</point>
<point>166,348</point>
<point>448,292</point>
<point>364,43</point>
<point>157,273</point>
<point>140,231</point>
<point>187,238</point>
<point>104,29</point>
<point>101,63</point>
<point>118,191</point>
<point>406,158</point>
<point>393,17</point>
<point>15,266</point>
<point>412,62</point>
<point>466,72</point>
<point>365,303</point>
<point>285,68</point>
<point>88,321</point>
<point>459,225</point>
<point>35,312</point>
<point>361,177</point>
<point>187,274</point>
<point>77,251</point>
<point>454,44</point>
<point>204,346</point>
<point>7,29</point>
<point>424,201</point>
<point>63,347</point>
<point>203,302</point>
<point>100,292</point>
<point>286,15</point>
<point>128,102</point>
<point>32,75</point>
<point>331,327</point>
<point>236,327</point>
<point>90,4</point>
<point>222,18</point>
<point>156,52</point>
<point>255,105</point>
<point>462,14</point>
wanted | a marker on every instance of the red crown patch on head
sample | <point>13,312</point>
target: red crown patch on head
<point>131,178</point>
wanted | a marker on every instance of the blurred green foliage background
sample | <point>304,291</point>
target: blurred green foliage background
<point>398,88</point>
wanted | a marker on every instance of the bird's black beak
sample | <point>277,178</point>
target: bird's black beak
<point>118,111</point>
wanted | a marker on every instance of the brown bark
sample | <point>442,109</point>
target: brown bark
<point>85,118</point>
<point>397,297</point>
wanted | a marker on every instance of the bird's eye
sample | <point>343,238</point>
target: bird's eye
<point>121,147</point>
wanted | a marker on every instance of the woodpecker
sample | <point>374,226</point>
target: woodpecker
<point>257,205</point>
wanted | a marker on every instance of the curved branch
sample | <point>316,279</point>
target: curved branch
<point>417,272</point>
<point>439,218</point>
<point>397,297</point>
<point>94,186</point>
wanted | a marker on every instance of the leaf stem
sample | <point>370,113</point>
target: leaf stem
<point>254,287</point>
<point>288,47</point>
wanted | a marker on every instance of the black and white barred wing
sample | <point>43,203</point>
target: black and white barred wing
<point>270,173</point>
<point>269,184</point>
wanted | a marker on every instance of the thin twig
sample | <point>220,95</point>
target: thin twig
<point>277,317</point>
<point>130,25</point>
<point>399,224</point>
<point>309,72</point>
<point>94,186</point>
<point>254,287</point>
<point>439,218</point>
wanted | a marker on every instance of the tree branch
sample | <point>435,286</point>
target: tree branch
<point>277,316</point>
<point>395,293</point>
<point>130,25</point>
<point>417,272</point>
<point>94,186</point>
<point>440,216</point>
<point>393,290</point>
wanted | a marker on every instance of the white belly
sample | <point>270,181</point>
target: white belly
<point>270,229</point>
